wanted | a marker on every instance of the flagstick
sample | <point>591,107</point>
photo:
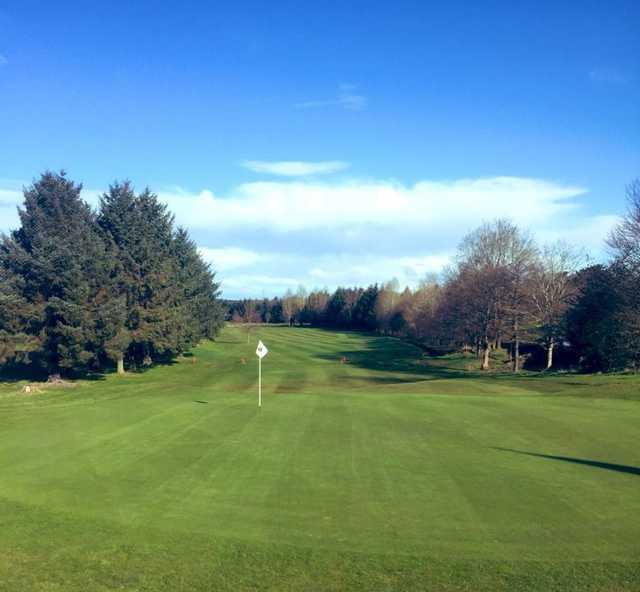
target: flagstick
<point>259,382</point>
<point>261,352</point>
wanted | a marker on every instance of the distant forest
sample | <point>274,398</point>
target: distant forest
<point>504,293</point>
<point>81,291</point>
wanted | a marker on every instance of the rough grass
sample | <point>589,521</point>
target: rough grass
<point>388,472</point>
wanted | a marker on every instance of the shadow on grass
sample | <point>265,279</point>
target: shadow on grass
<point>389,354</point>
<point>579,461</point>
<point>10,373</point>
<point>36,374</point>
<point>19,372</point>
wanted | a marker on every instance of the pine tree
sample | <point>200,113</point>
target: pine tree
<point>364,312</point>
<point>199,307</point>
<point>18,339</point>
<point>79,291</point>
<point>169,293</point>
<point>60,258</point>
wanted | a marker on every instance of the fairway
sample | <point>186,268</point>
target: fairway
<point>386,472</point>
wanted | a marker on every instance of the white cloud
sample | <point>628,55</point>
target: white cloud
<point>265,237</point>
<point>263,275</point>
<point>10,198</point>
<point>228,258</point>
<point>347,98</point>
<point>284,206</point>
<point>259,284</point>
<point>588,232</point>
<point>362,269</point>
<point>295,168</point>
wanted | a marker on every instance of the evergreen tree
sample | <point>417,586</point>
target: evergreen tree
<point>594,328</point>
<point>18,338</point>
<point>199,307</point>
<point>364,312</point>
<point>142,231</point>
<point>168,292</point>
<point>60,257</point>
<point>80,291</point>
<point>277,314</point>
<point>337,313</point>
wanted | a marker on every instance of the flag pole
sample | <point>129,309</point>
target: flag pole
<point>261,352</point>
<point>259,382</point>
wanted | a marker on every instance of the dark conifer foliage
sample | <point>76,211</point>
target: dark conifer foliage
<point>594,322</point>
<point>201,311</point>
<point>59,256</point>
<point>82,291</point>
<point>18,316</point>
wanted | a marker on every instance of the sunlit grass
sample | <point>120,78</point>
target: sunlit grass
<point>367,468</point>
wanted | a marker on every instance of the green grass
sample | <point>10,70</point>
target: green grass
<point>385,473</point>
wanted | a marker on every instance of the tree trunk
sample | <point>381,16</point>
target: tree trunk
<point>516,346</point>
<point>120,364</point>
<point>550,354</point>
<point>485,355</point>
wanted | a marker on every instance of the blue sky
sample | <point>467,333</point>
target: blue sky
<point>330,142</point>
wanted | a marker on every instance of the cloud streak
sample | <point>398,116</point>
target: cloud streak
<point>295,168</point>
<point>607,76</point>
<point>347,98</point>
<point>350,205</point>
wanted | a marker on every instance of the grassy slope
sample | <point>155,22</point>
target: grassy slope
<point>381,474</point>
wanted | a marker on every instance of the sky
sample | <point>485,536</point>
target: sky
<point>330,143</point>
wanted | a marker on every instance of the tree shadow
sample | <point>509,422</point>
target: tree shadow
<point>17,372</point>
<point>629,470</point>
<point>20,372</point>
<point>389,354</point>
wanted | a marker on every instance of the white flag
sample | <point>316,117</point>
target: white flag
<point>262,350</point>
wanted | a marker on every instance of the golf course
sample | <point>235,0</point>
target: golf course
<point>369,466</point>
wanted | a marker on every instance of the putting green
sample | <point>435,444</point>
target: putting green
<point>384,472</point>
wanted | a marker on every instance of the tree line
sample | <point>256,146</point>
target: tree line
<point>503,293</point>
<point>83,290</point>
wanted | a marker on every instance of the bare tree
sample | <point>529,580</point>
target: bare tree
<point>289,307</point>
<point>625,237</point>
<point>553,289</point>
<point>421,310</point>
<point>521,254</point>
<point>493,264</point>
<point>388,297</point>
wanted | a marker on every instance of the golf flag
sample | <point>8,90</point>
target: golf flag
<point>262,350</point>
